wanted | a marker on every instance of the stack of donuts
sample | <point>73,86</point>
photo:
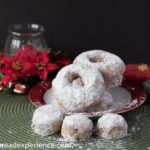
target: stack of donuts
<point>84,86</point>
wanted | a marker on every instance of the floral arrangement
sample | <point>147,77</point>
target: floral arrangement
<point>140,74</point>
<point>19,72</point>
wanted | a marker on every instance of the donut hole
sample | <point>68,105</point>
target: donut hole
<point>75,78</point>
<point>115,132</point>
<point>95,59</point>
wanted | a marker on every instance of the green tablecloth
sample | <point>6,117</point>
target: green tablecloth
<point>15,129</point>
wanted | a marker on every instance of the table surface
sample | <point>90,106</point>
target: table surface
<point>15,128</point>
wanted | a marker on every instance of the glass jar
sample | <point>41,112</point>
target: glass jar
<point>24,34</point>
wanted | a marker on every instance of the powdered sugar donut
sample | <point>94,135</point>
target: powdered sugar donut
<point>47,120</point>
<point>76,87</point>
<point>76,128</point>
<point>104,105</point>
<point>110,65</point>
<point>112,126</point>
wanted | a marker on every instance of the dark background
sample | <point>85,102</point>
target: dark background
<point>118,26</point>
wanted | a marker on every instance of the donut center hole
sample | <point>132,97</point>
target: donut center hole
<point>75,78</point>
<point>95,59</point>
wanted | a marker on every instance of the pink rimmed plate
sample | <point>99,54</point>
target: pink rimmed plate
<point>126,97</point>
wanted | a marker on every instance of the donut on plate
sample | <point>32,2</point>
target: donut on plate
<point>77,87</point>
<point>104,105</point>
<point>110,65</point>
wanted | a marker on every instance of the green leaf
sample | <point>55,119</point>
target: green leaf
<point>49,49</point>
<point>1,76</point>
<point>8,90</point>
<point>57,52</point>
<point>146,86</point>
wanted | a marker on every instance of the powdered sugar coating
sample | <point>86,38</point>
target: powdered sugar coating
<point>104,105</point>
<point>110,65</point>
<point>76,128</point>
<point>112,126</point>
<point>76,87</point>
<point>47,120</point>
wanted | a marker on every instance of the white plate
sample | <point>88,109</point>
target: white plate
<point>121,97</point>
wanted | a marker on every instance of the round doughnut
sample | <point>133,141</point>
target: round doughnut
<point>76,87</point>
<point>104,105</point>
<point>110,65</point>
<point>47,120</point>
<point>76,128</point>
<point>112,126</point>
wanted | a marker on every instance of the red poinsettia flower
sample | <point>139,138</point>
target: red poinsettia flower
<point>60,59</point>
<point>65,61</point>
<point>28,51</point>
<point>5,80</point>
<point>137,73</point>
<point>42,65</point>
<point>15,67</point>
